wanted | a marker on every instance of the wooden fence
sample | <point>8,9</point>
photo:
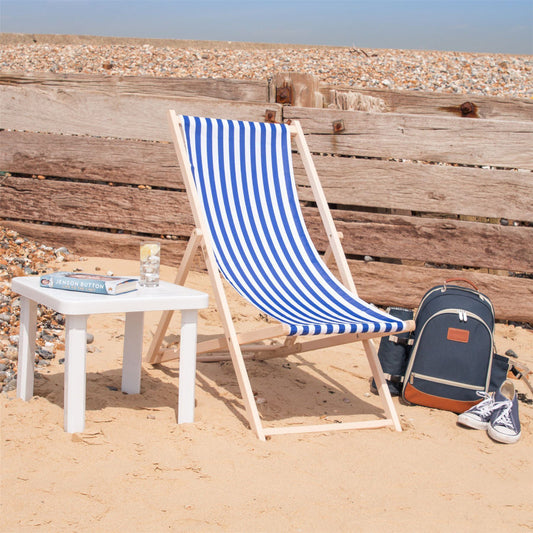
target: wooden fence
<point>433,187</point>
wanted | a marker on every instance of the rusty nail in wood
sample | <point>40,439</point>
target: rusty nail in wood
<point>468,109</point>
<point>338,126</point>
<point>270,116</point>
<point>284,95</point>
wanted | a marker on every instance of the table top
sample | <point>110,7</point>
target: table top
<point>167,296</point>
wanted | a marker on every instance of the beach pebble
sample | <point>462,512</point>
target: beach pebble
<point>422,70</point>
<point>11,354</point>
<point>9,386</point>
<point>90,338</point>
<point>44,354</point>
<point>20,256</point>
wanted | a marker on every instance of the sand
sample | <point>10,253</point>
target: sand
<point>134,469</point>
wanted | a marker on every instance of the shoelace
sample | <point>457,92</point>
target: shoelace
<point>504,418</point>
<point>485,407</point>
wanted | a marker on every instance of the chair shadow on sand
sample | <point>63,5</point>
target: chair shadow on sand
<point>293,390</point>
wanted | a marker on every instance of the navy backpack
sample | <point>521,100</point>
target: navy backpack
<point>450,355</point>
<point>453,353</point>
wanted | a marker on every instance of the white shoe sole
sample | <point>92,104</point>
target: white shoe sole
<point>503,437</point>
<point>472,422</point>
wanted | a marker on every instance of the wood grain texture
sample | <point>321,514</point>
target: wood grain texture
<point>112,138</point>
<point>385,284</point>
<point>346,181</point>
<point>96,206</point>
<point>96,243</point>
<point>443,104</point>
<point>507,144</point>
<point>297,88</point>
<point>380,283</point>
<point>405,102</point>
<point>90,158</point>
<point>74,112</point>
<point>221,89</point>
<point>433,240</point>
<point>421,187</point>
<point>430,240</point>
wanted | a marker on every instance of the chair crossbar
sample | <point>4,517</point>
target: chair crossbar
<point>326,428</point>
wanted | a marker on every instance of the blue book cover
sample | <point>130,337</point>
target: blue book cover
<point>84,282</point>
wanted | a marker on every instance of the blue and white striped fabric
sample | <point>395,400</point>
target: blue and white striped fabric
<point>244,177</point>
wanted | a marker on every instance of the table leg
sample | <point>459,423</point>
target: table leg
<point>187,370</point>
<point>26,355</point>
<point>75,360</point>
<point>132,353</point>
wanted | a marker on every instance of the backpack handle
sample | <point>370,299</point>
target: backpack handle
<point>460,279</point>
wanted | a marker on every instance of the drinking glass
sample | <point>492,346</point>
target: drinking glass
<point>150,260</point>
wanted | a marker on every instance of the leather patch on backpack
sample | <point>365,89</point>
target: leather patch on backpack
<point>458,335</point>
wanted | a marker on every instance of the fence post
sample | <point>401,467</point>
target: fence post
<point>297,89</point>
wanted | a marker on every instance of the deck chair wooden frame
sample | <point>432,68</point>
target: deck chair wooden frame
<point>237,343</point>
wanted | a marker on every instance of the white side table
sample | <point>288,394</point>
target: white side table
<point>76,307</point>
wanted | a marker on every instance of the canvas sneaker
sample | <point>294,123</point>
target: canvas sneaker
<point>478,416</point>
<point>505,424</point>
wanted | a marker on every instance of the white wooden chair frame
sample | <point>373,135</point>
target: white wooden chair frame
<point>232,341</point>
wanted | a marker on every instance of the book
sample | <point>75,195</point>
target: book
<point>84,282</point>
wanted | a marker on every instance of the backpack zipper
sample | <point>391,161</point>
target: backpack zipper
<point>460,312</point>
<point>444,381</point>
<point>442,289</point>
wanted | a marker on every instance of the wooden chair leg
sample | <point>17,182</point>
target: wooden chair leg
<point>381,384</point>
<point>328,254</point>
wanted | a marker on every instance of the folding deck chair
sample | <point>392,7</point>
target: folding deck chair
<point>249,225</point>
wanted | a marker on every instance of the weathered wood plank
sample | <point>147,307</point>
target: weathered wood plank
<point>297,88</point>
<point>406,102</point>
<point>442,139</point>
<point>431,240</point>
<point>90,158</point>
<point>346,181</point>
<point>72,112</point>
<point>385,284</point>
<point>443,104</point>
<point>96,206</point>
<point>422,187</point>
<point>380,283</point>
<point>222,89</point>
<point>96,243</point>
<point>439,241</point>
